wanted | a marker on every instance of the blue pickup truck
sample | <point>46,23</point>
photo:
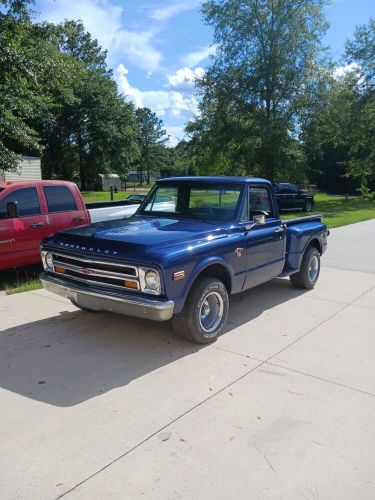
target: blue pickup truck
<point>192,242</point>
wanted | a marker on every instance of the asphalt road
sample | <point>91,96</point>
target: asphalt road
<point>282,406</point>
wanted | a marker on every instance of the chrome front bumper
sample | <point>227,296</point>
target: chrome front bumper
<point>139,307</point>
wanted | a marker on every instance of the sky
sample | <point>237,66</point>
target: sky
<point>157,48</point>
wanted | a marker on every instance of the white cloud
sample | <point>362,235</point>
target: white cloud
<point>138,48</point>
<point>162,102</point>
<point>178,7</point>
<point>176,134</point>
<point>103,19</point>
<point>184,79</point>
<point>341,71</point>
<point>196,57</point>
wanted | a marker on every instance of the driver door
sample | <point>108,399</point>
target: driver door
<point>265,244</point>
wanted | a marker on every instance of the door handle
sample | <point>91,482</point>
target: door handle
<point>279,230</point>
<point>37,224</point>
<point>78,219</point>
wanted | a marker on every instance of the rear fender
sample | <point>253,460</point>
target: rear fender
<point>299,238</point>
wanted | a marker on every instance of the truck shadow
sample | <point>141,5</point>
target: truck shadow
<point>67,359</point>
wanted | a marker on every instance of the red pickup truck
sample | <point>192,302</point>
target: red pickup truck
<point>32,210</point>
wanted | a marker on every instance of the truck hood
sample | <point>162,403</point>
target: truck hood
<point>138,236</point>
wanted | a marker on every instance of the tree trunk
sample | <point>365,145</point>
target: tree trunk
<point>82,173</point>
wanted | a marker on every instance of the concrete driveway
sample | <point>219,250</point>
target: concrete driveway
<point>282,406</point>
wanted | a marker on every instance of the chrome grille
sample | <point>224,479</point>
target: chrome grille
<point>95,272</point>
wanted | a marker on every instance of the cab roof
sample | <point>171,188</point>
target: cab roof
<point>215,180</point>
<point>26,183</point>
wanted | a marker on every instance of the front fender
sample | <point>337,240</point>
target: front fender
<point>197,269</point>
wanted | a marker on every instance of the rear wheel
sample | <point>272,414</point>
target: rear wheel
<point>308,275</point>
<point>205,312</point>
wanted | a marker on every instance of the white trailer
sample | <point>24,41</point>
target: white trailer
<point>110,180</point>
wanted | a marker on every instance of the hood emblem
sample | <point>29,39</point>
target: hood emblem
<point>71,246</point>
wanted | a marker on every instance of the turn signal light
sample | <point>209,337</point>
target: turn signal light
<point>131,284</point>
<point>60,270</point>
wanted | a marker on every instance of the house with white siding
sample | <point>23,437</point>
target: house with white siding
<point>29,169</point>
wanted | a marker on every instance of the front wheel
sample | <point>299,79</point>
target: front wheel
<point>308,275</point>
<point>308,206</point>
<point>205,312</point>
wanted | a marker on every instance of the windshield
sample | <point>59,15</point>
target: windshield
<point>194,201</point>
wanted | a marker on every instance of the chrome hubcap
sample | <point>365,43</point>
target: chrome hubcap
<point>211,312</point>
<point>313,268</point>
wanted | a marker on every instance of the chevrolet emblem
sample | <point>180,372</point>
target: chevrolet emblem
<point>87,272</point>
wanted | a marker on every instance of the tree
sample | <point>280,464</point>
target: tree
<point>58,99</point>
<point>258,83</point>
<point>338,131</point>
<point>324,130</point>
<point>152,138</point>
<point>92,129</point>
<point>183,160</point>
<point>360,52</point>
<point>20,65</point>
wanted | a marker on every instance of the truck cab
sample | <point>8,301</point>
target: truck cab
<point>32,210</point>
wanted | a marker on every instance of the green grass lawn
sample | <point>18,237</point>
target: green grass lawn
<point>97,196</point>
<point>19,280</point>
<point>338,211</point>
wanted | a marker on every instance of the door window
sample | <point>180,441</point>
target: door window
<point>59,199</point>
<point>259,201</point>
<point>26,199</point>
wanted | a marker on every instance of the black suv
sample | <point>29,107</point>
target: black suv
<point>291,197</point>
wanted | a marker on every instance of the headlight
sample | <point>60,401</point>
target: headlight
<point>150,281</point>
<point>47,261</point>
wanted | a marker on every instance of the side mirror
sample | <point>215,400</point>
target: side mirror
<point>12,209</point>
<point>259,220</point>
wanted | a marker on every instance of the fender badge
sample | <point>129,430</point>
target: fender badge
<point>180,275</point>
<point>239,252</point>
